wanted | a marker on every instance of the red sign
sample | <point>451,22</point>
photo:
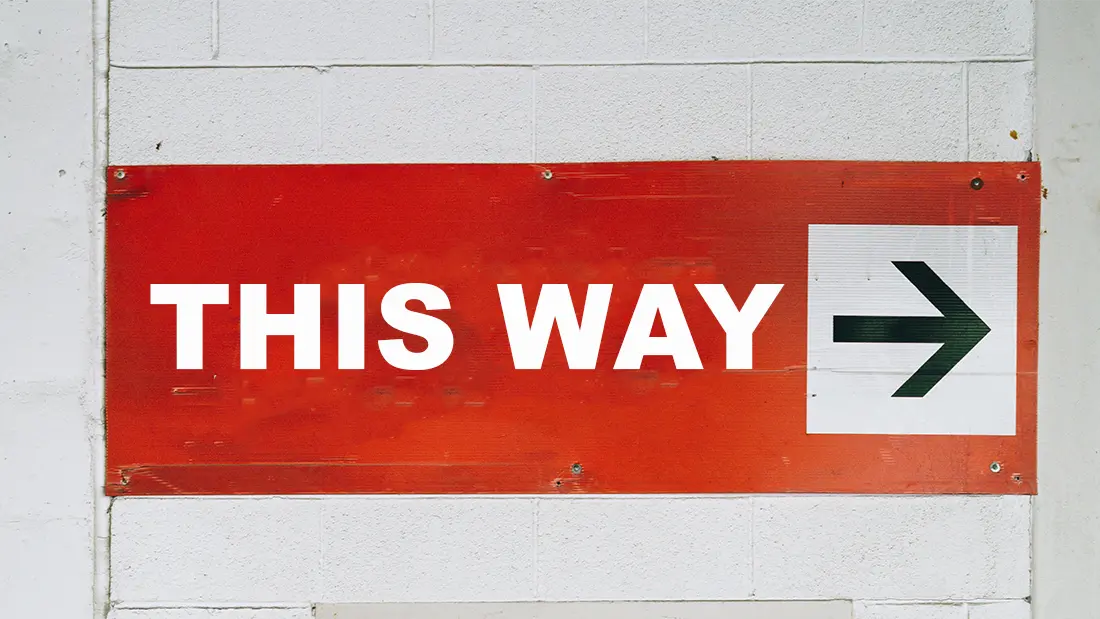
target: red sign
<point>674,327</point>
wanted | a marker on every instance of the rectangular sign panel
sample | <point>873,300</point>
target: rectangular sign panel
<point>671,327</point>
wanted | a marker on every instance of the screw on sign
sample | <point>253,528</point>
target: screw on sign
<point>717,326</point>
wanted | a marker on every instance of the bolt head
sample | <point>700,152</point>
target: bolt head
<point>120,174</point>
<point>547,174</point>
<point>995,467</point>
<point>577,468</point>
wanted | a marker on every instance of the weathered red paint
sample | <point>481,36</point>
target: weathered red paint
<point>476,425</point>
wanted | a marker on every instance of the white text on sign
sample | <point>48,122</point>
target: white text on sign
<point>527,340</point>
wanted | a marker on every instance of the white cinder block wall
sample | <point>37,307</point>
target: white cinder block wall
<point>289,81</point>
<point>50,367</point>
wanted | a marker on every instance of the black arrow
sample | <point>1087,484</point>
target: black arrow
<point>959,329</point>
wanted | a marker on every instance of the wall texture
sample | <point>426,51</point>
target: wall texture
<point>281,81</point>
<point>49,309</point>
<point>1067,521</point>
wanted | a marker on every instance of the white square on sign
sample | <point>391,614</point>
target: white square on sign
<point>898,292</point>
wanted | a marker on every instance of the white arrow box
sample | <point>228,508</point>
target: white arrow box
<point>850,386</point>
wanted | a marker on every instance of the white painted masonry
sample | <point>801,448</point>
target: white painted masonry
<point>1067,512</point>
<point>290,81</point>
<point>540,80</point>
<point>833,609</point>
<point>50,398</point>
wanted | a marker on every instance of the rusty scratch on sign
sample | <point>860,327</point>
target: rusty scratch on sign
<point>194,391</point>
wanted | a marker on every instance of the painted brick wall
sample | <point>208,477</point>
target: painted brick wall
<point>49,369</point>
<point>281,81</point>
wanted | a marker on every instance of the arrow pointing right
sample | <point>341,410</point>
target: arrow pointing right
<point>959,329</point>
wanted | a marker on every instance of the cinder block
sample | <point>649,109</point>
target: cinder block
<point>46,570</point>
<point>428,114</point>
<point>645,549</point>
<point>161,31</point>
<point>859,111</point>
<point>45,453</point>
<point>898,548</point>
<point>428,550</point>
<point>952,28</point>
<point>539,30</point>
<point>825,609</point>
<point>45,289</point>
<point>210,551</point>
<point>641,112</point>
<point>1002,108</point>
<point>303,612</point>
<point>307,31</point>
<point>45,104</point>
<point>706,30</point>
<point>1011,609</point>
<point>46,207</point>
<point>207,116</point>
<point>863,610</point>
